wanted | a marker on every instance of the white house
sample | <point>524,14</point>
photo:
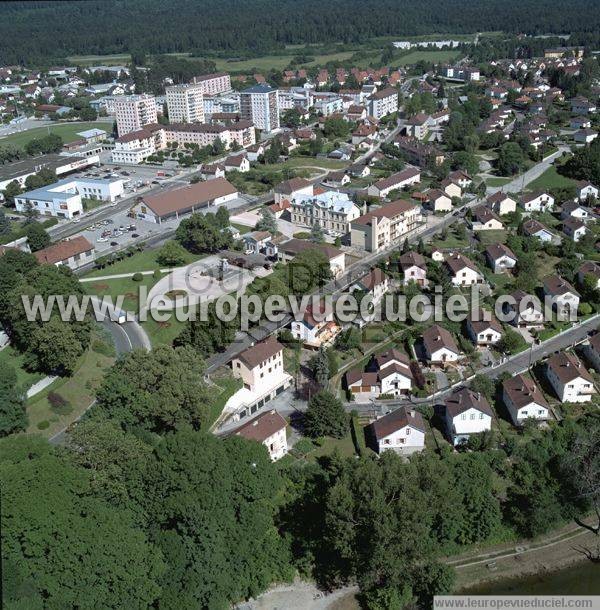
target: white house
<point>461,178</point>
<point>439,345</point>
<point>439,201</point>
<point>407,177</point>
<point>257,242</point>
<point>533,228</point>
<point>524,400</point>
<point>589,268</point>
<point>574,228</point>
<point>402,431</point>
<point>467,413</point>
<point>592,351</point>
<point>565,299</point>
<point>501,203</point>
<point>268,429</point>
<point>288,250</point>
<point>575,209</point>
<point>463,271</point>
<point>292,188</point>
<point>483,219</point>
<point>316,328</point>
<point>237,163</point>
<point>569,378</point>
<point>526,312</point>
<point>413,268</point>
<point>260,367</point>
<point>539,201</point>
<point>585,190</point>
<point>585,136</point>
<point>375,284</point>
<point>484,333</point>
<point>500,258</point>
<point>451,188</point>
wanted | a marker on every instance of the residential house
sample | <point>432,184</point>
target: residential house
<point>463,271</point>
<point>336,179</point>
<point>586,190</point>
<point>209,172</point>
<point>592,351</point>
<point>483,219</point>
<point>501,203</point>
<point>467,413</point>
<point>534,228</point>
<point>375,284</point>
<point>73,253</point>
<point>237,163</point>
<point>269,429</point>
<point>331,210</point>
<point>439,201</point>
<point>418,126</point>
<point>484,332</point>
<point>292,188</point>
<point>580,122</point>
<point>404,178</point>
<point>585,136</point>
<point>524,400</point>
<point>377,229</point>
<point>574,228</point>
<point>316,328</point>
<point>413,268</point>
<point>500,258</point>
<point>260,367</point>
<point>581,105</point>
<point>461,178</point>
<point>257,242</point>
<point>589,268</point>
<point>540,201</point>
<point>402,431</point>
<point>452,189</point>
<point>439,345</point>
<point>526,311</point>
<point>565,299</point>
<point>569,378</point>
<point>419,153</point>
<point>288,250</point>
<point>383,102</point>
<point>574,209</point>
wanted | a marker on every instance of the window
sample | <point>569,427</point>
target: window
<point>481,416</point>
<point>463,416</point>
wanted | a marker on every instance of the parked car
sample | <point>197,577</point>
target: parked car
<point>114,243</point>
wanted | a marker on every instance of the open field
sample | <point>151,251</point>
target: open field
<point>162,333</point>
<point>125,286</point>
<point>425,55</point>
<point>67,131</point>
<point>551,179</point>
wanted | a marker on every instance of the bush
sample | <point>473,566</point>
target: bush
<point>304,446</point>
<point>156,275</point>
<point>103,348</point>
<point>137,277</point>
<point>43,425</point>
<point>302,235</point>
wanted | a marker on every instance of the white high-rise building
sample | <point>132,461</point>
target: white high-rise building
<point>259,105</point>
<point>134,111</point>
<point>213,84</point>
<point>185,103</point>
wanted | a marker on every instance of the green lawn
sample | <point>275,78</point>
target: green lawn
<point>491,237</point>
<point>67,131</point>
<point>241,228</point>
<point>78,390</point>
<point>11,357</point>
<point>162,333</point>
<point>140,261</point>
<point>229,386</point>
<point>344,446</point>
<point>550,179</point>
<point>497,181</point>
<point>295,162</point>
<point>121,286</point>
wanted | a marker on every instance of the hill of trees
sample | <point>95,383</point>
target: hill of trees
<point>42,31</point>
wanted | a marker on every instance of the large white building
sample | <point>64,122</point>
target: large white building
<point>467,413</point>
<point>64,198</point>
<point>185,103</point>
<point>132,112</point>
<point>383,102</point>
<point>331,210</point>
<point>259,104</point>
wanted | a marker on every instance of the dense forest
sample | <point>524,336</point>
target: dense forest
<point>40,31</point>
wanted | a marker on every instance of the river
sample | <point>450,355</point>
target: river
<point>579,579</point>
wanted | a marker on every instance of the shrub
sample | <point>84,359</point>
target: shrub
<point>302,235</point>
<point>156,275</point>
<point>103,348</point>
<point>137,277</point>
<point>43,425</point>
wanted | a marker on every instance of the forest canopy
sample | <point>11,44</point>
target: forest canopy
<point>228,26</point>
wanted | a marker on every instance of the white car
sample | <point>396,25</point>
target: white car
<point>101,240</point>
<point>113,204</point>
<point>76,219</point>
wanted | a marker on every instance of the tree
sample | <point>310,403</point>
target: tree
<point>200,233</point>
<point>266,222</point>
<point>291,118</point>
<point>337,128</point>
<point>316,233</point>
<point>511,341</point>
<point>212,507</point>
<point>319,365</point>
<point>12,404</point>
<point>5,228</point>
<point>510,159</point>
<point>37,236</point>
<point>484,385</point>
<point>348,339</point>
<point>325,416</point>
<point>143,390</point>
<point>12,190</point>
<point>68,562</point>
<point>172,254</point>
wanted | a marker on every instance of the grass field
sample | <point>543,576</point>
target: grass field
<point>78,390</point>
<point>497,181</point>
<point>300,162</point>
<point>67,131</point>
<point>11,357</point>
<point>141,261</point>
<point>121,286</point>
<point>162,333</point>
<point>550,179</point>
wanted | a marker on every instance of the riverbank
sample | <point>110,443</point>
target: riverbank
<point>488,572</point>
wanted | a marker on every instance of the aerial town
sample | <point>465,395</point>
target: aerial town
<point>166,442</point>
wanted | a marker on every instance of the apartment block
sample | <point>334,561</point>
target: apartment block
<point>213,84</point>
<point>133,112</point>
<point>259,104</point>
<point>185,103</point>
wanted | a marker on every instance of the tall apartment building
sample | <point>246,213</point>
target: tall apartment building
<point>134,111</point>
<point>213,84</point>
<point>185,103</point>
<point>259,105</point>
